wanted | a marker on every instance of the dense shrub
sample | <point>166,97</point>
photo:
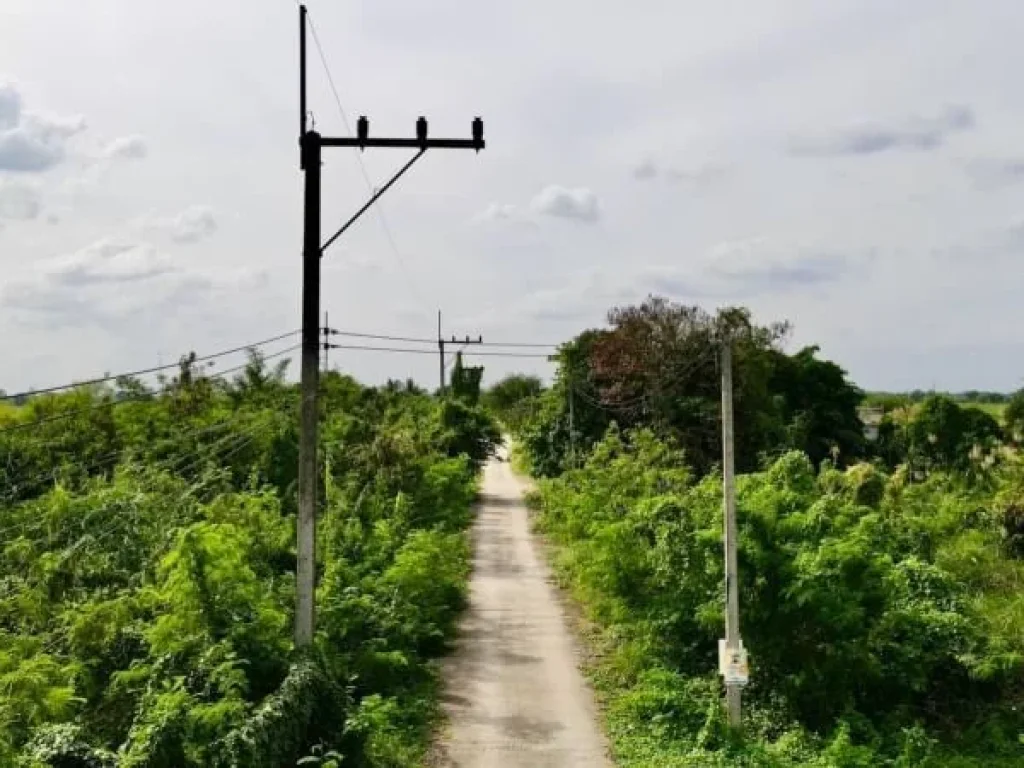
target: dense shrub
<point>146,573</point>
<point>884,619</point>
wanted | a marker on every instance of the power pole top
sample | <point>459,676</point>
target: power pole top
<point>311,143</point>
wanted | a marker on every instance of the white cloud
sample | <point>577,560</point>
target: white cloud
<point>30,142</point>
<point>18,201</point>
<point>10,105</point>
<point>726,272</point>
<point>498,212</point>
<point>991,173</point>
<point>763,262</point>
<point>108,261</point>
<point>700,175</point>
<point>704,173</point>
<point>508,215</point>
<point>583,110</point>
<point>190,226</point>
<point>125,148</point>
<point>579,204</point>
<point>112,280</point>
<point>871,138</point>
<point>646,170</point>
<point>583,299</point>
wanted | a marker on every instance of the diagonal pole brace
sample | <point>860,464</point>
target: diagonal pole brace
<point>371,201</point>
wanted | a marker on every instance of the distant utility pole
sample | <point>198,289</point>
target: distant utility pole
<point>441,342</point>
<point>732,656</point>
<point>311,144</point>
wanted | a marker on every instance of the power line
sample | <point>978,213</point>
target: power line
<point>506,354</point>
<point>233,442</point>
<point>115,455</point>
<point>519,344</point>
<point>431,352</point>
<point>380,337</point>
<point>135,397</point>
<point>144,371</point>
<point>421,340</point>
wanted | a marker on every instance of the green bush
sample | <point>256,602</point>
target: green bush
<point>147,561</point>
<point>883,620</point>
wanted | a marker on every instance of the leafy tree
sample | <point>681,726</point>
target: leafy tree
<point>891,445</point>
<point>147,561</point>
<point>942,435</point>
<point>465,381</point>
<point>1014,416</point>
<point>657,366</point>
<point>514,399</point>
<point>818,405</point>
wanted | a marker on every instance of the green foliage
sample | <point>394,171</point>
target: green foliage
<point>514,399</point>
<point>466,381</point>
<point>818,406</point>
<point>657,367</point>
<point>146,572</point>
<point>883,619</point>
<point>942,435</point>
<point>467,431</point>
<point>1014,416</point>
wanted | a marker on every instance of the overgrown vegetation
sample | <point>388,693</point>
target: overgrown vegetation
<point>146,572</point>
<point>880,580</point>
<point>885,620</point>
<point>656,365</point>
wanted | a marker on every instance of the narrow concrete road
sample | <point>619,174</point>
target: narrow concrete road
<point>513,694</point>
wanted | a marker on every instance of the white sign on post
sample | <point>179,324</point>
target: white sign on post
<point>732,664</point>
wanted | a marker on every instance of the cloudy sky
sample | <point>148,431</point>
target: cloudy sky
<point>855,166</point>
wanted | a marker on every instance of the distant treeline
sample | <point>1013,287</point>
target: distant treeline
<point>919,395</point>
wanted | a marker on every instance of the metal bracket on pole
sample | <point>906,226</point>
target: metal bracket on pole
<point>370,202</point>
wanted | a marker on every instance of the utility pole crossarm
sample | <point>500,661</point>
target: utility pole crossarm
<point>422,141</point>
<point>441,342</point>
<point>338,141</point>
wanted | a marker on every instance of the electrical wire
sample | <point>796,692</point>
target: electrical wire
<point>380,337</point>
<point>422,340</point>
<point>537,356</point>
<point>519,344</point>
<point>174,465</point>
<point>370,186</point>
<point>100,461</point>
<point>677,375</point>
<point>142,396</point>
<point>143,371</point>
<point>431,351</point>
<point>448,360</point>
<point>117,525</point>
<point>113,456</point>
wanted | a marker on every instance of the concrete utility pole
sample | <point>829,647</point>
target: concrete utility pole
<point>441,342</point>
<point>311,144</point>
<point>305,537</point>
<point>732,658</point>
